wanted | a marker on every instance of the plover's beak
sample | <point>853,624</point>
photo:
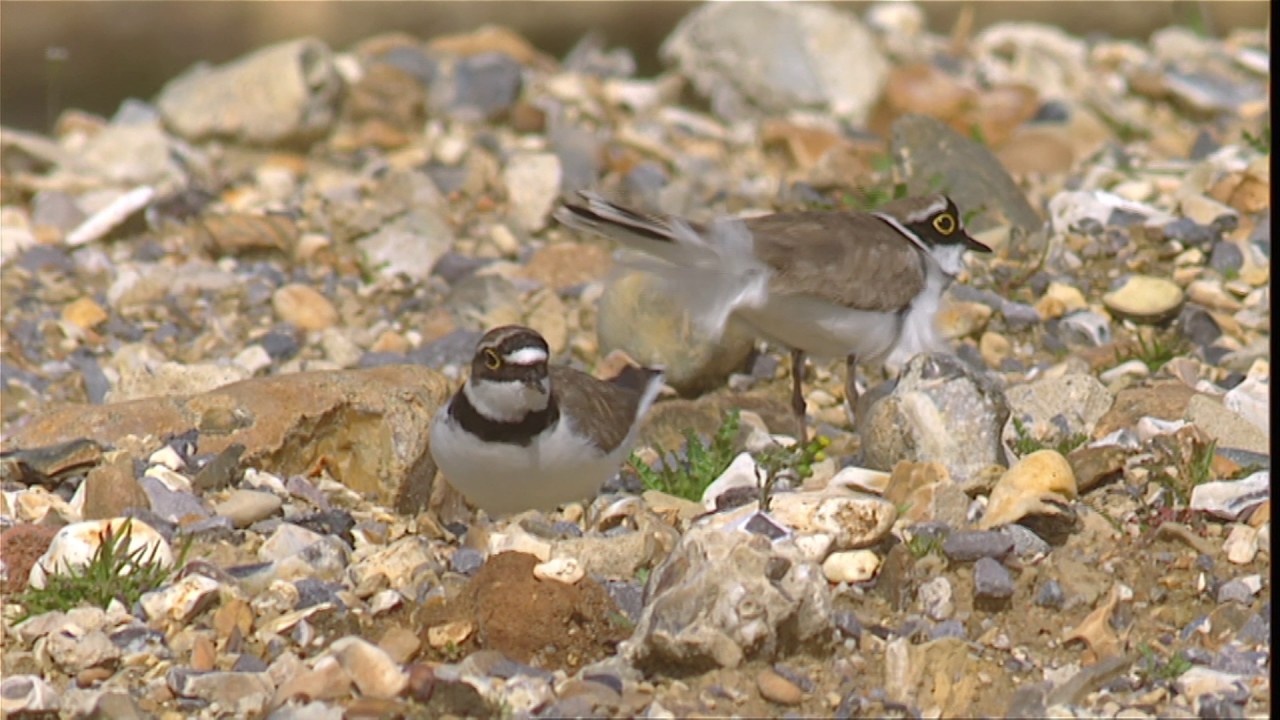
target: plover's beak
<point>972,244</point>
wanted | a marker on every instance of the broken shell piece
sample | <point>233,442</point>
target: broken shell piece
<point>565,570</point>
<point>1095,630</point>
<point>454,633</point>
<point>1039,484</point>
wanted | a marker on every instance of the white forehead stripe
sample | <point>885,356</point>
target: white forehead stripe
<point>938,205</point>
<point>527,356</point>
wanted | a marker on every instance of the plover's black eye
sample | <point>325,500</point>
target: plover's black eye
<point>491,359</point>
<point>945,223</point>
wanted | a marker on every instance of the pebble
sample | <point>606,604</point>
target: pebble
<point>372,670</point>
<point>1145,299</point>
<point>304,307</point>
<point>971,545</point>
<point>533,183</point>
<point>850,566</point>
<point>1241,546</point>
<point>991,581</point>
<point>778,689</point>
<point>246,507</point>
<point>1050,595</point>
<point>935,598</point>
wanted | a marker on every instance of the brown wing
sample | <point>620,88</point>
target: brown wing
<point>852,259</point>
<point>612,407</point>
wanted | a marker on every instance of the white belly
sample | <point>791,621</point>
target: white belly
<point>825,330</point>
<point>556,468</point>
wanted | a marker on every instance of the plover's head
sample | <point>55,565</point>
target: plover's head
<point>509,376</point>
<point>936,222</point>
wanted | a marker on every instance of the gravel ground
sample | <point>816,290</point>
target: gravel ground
<point>229,312</point>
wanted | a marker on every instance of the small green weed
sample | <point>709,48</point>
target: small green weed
<point>702,463</point>
<point>1155,668</point>
<point>1153,353</point>
<point>779,461</point>
<point>114,573</point>
<point>1025,443</point>
<point>1261,142</point>
<point>922,544</point>
<point>1201,466</point>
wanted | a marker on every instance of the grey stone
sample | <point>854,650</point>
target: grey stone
<point>1190,233</point>
<point>1050,595</point>
<point>1085,328</point>
<point>1026,544</point>
<point>991,580</point>
<point>1257,629</point>
<point>172,505</point>
<point>714,604</point>
<point>55,209</point>
<point>916,421</point>
<point>1235,591</point>
<point>1228,428</point>
<point>466,560</point>
<point>242,694</point>
<point>478,87</point>
<point>800,55</point>
<point>935,598</point>
<point>281,93</point>
<point>1019,316</point>
<point>1198,326</point>
<point>925,148</point>
<point>409,245</point>
<point>971,545</point>
<point>1226,257</point>
<point>1055,409</point>
<point>948,628</point>
<point>456,348</point>
<point>580,156</point>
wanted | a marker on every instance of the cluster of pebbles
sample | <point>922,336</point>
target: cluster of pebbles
<point>229,312</point>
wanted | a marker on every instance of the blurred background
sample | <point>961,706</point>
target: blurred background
<point>91,56</point>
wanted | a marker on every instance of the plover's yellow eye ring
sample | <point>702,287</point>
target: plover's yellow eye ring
<point>945,223</point>
<point>491,359</point>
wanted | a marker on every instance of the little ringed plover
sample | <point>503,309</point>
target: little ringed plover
<point>863,285</point>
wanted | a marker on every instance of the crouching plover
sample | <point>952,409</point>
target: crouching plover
<point>522,434</point>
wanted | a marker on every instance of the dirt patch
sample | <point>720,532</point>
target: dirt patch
<point>543,623</point>
<point>20,547</point>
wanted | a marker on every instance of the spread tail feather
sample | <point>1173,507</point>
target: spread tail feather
<point>713,269</point>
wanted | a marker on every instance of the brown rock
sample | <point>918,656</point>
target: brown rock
<point>806,145</point>
<point>112,488</point>
<point>84,313</point>
<point>1094,466</point>
<point>491,38</point>
<point>1042,150</point>
<point>304,306</point>
<point>367,428</point>
<point>564,265</point>
<point>241,233</point>
<point>776,688</point>
<point>1164,399</point>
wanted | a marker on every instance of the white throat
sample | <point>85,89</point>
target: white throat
<point>507,401</point>
<point>949,257</point>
